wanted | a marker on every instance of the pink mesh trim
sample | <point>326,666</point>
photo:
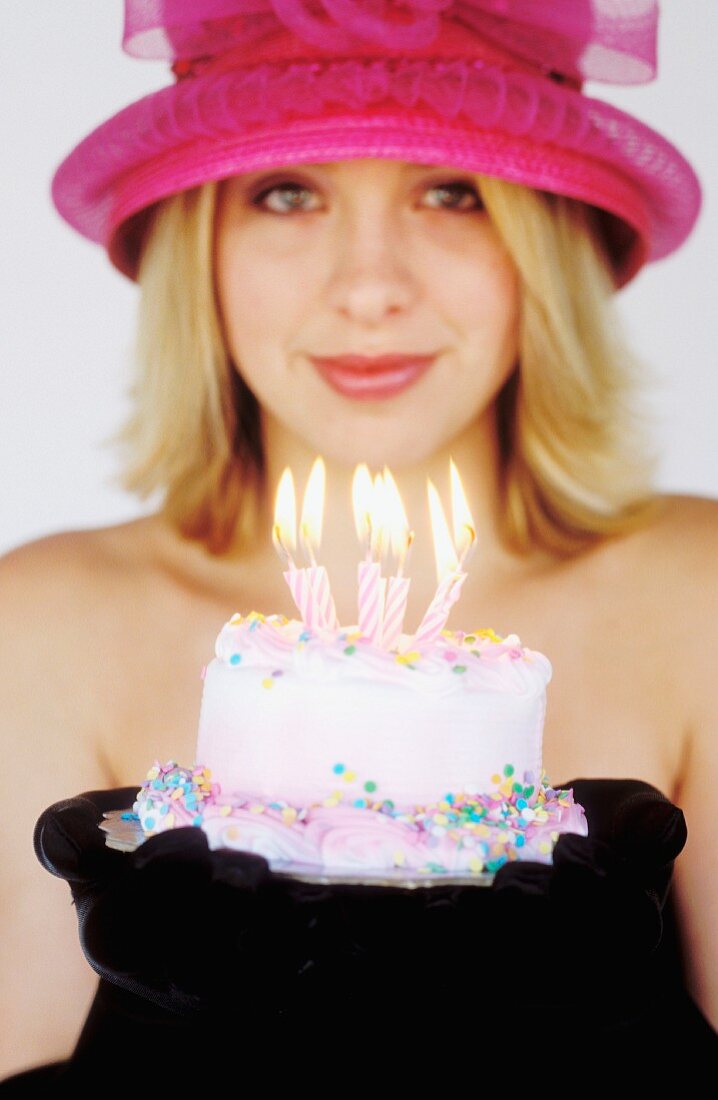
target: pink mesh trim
<point>610,40</point>
<point>561,141</point>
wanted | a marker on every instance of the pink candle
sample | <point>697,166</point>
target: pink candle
<point>323,611</point>
<point>298,584</point>
<point>438,610</point>
<point>394,611</point>
<point>371,600</point>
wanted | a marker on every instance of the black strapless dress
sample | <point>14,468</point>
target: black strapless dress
<point>471,1008</point>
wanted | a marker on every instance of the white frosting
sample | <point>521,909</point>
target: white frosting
<point>283,712</point>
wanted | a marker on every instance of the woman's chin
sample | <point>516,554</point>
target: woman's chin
<point>347,443</point>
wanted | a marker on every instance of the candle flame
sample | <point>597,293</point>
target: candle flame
<point>362,494</point>
<point>310,528</point>
<point>444,552</point>
<point>395,517</point>
<point>379,518</point>
<point>464,526</point>
<point>284,533</point>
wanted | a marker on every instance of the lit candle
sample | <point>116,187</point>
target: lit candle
<point>285,542</point>
<point>449,562</point>
<point>401,539</point>
<point>464,530</point>
<point>322,612</point>
<point>366,518</point>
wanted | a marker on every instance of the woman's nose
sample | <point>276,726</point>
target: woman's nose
<point>370,276</point>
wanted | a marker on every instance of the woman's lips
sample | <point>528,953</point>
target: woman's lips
<point>367,379</point>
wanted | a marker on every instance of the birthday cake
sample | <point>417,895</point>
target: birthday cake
<point>318,748</point>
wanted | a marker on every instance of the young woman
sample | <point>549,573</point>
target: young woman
<point>281,256</point>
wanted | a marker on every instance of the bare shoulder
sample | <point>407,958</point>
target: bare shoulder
<point>79,578</point>
<point>58,598</point>
<point>684,550</point>
<point>671,570</point>
<point>686,545</point>
<point>80,558</point>
<point>670,560</point>
<point>54,595</point>
<point>690,523</point>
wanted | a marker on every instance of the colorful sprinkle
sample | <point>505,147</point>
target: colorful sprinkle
<point>488,827</point>
<point>235,658</point>
<point>407,658</point>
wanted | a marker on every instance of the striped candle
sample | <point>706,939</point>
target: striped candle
<point>371,600</point>
<point>324,612</point>
<point>438,610</point>
<point>394,611</point>
<point>298,584</point>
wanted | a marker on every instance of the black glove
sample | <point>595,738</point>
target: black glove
<point>597,910</point>
<point>158,921</point>
<point>199,932</point>
<point>141,913</point>
<point>612,883</point>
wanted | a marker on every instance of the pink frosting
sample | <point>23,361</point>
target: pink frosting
<point>347,837</point>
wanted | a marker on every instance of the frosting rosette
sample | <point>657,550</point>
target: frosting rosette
<point>265,834</point>
<point>467,833</point>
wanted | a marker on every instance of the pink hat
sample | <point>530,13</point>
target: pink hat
<point>492,86</point>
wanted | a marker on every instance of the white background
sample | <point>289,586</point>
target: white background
<point>68,316</point>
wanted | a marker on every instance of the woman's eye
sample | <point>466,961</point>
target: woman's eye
<point>462,189</point>
<point>279,188</point>
<point>290,195</point>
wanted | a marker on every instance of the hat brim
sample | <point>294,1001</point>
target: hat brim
<point>494,121</point>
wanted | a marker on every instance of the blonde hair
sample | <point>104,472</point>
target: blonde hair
<point>576,460</point>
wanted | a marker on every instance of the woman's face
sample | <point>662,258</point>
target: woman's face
<point>371,258</point>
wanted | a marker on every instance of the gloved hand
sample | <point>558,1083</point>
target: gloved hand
<point>613,882</point>
<point>165,920</point>
<point>187,928</point>
<point>596,912</point>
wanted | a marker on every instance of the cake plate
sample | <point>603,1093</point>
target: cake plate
<point>125,835</point>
